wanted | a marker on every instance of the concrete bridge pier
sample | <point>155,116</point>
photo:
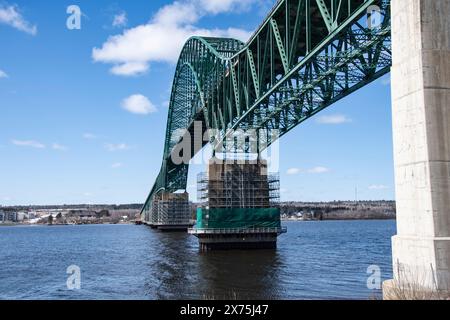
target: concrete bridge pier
<point>421,124</point>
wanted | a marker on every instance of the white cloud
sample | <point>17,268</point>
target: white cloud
<point>333,119</point>
<point>218,6</point>
<point>120,20</point>
<point>378,187</point>
<point>116,165</point>
<point>317,170</point>
<point>28,143</point>
<point>130,69</point>
<point>3,74</point>
<point>138,104</point>
<point>117,147</point>
<point>88,194</point>
<point>178,13</point>
<point>59,147</point>
<point>10,15</point>
<point>162,39</point>
<point>293,171</point>
<point>89,136</point>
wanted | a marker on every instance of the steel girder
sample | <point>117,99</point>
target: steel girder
<point>305,56</point>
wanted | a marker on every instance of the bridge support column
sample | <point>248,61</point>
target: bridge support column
<point>421,125</point>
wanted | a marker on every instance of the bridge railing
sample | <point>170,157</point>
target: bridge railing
<point>277,230</point>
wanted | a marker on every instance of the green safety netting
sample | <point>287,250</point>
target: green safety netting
<point>219,218</point>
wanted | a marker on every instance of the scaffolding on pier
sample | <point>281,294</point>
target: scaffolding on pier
<point>240,194</point>
<point>244,184</point>
<point>171,209</point>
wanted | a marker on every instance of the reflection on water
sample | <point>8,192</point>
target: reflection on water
<point>314,260</point>
<point>239,275</point>
<point>213,275</point>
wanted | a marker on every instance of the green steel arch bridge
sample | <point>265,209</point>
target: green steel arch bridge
<point>305,56</point>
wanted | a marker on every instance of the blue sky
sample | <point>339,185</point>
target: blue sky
<point>84,111</point>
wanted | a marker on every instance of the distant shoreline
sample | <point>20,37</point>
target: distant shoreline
<point>132,223</point>
<point>343,219</point>
<point>62,225</point>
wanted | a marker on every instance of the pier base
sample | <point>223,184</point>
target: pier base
<point>228,242</point>
<point>173,228</point>
<point>229,239</point>
<point>170,227</point>
<point>421,130</point>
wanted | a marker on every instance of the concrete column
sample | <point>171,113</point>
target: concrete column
<point>421,129</point>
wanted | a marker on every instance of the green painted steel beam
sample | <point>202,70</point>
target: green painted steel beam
<point>279,43</point>
<point>328,20</point>
<point>251,62</point>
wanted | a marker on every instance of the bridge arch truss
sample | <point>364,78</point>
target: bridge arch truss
<point>305,56</point>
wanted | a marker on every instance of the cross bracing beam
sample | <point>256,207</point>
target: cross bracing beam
<point>306,55</point>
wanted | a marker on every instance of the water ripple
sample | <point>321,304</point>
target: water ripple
<point>314,260</point>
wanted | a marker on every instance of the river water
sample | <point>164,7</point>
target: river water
<point>314,260</point>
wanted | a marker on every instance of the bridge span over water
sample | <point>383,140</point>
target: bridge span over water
<point>305,56</point>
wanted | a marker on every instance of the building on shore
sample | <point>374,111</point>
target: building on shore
<point>8,216</point>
